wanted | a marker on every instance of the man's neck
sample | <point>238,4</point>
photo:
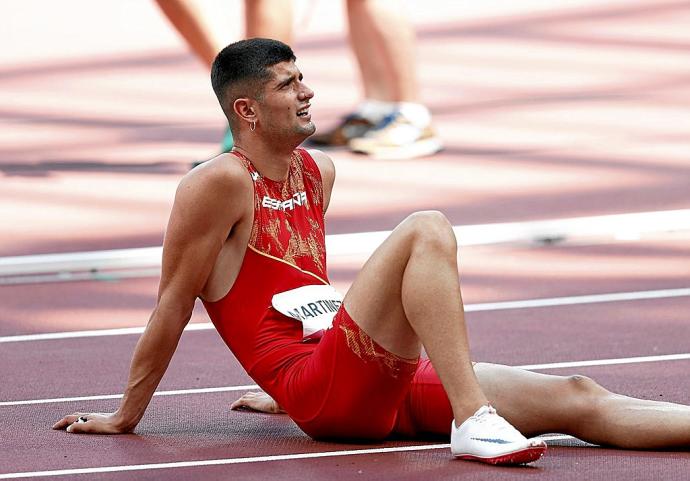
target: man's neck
<point>272,159</point>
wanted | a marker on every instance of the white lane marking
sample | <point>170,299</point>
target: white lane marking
<point>73,276</point>
<point>226,461</point>
<point>489,306</point>
<point>120,331</point>
<point>344,245</point>
<point>608,362</point>
<point>617,227</point>
<point>555,365</point>
<point>585,299</point>
<point>176,392</point>
<point>145,257</point>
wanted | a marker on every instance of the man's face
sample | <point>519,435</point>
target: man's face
<point>283,110</point>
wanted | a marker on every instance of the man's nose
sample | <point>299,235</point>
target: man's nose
<point>306,92</point>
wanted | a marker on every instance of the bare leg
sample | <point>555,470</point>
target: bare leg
<point>409,292</point>
<point>383,42</point>
<point>269,19</point>
<point>263,18</point>
<point>186,17</point>
<point>539,403</point>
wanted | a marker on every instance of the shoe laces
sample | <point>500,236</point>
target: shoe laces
<point>496,423</point>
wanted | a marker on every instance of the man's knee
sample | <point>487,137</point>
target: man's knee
<point>431,229</point>
<point>582,385</point>
<point>585,395</point>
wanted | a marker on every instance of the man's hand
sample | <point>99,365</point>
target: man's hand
<point>94,423</point>
<point>258,401</point>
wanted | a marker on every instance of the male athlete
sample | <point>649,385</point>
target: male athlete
<point>246,235</point>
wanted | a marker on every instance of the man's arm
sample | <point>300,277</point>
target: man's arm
<point>208,203</point>
<point>327,169</point>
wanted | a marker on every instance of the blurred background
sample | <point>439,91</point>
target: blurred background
<point>546,109</point>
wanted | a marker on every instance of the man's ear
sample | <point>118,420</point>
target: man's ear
<point>244,108</point>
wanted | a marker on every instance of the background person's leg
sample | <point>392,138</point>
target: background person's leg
<point>269,19</point>
<point>192,24</point>
<point>263,18</point>
<point>390,122</point>
<point>189,20</point>
<point>383,42</point>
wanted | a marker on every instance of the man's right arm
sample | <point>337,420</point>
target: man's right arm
<point>208,203</point>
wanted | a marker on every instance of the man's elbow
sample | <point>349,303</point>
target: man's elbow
<point>174,309</point>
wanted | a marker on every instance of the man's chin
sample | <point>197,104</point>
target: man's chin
<point>301,134</point>
<point>308,130</point>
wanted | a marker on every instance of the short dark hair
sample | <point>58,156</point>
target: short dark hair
<point>241,69</point>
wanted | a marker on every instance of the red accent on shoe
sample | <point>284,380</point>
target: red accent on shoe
<point>522,456</point>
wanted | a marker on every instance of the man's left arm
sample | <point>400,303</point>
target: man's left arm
<point>327,169</point>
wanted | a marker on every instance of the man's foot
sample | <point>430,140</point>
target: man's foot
<point>350,127</point>
<point>397,138</point>
<point>489,438</point>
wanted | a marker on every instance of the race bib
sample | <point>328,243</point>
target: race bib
<point>314,306</point>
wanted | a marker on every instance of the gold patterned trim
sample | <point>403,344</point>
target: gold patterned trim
<point>365,348</point>
<point>286,263</point>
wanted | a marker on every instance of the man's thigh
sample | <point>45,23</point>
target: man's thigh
<point>375,298</point>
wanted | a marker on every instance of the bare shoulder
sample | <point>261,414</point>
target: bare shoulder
<point>325,163</point>
<point>222,178</point>
<point>327,169</point>
<point>212,197</point>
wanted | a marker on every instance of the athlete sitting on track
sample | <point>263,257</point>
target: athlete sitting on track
<point>246,235</point>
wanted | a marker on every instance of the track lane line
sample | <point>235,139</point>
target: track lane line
<point>176,392</point>
<point>534,367</point>
<point>481,307</point>
<point>120,331</point>
<point>607,362</point>
<point>247,460</point>
<point>616,226</point>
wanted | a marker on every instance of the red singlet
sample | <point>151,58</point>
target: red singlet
<point>344,385</point>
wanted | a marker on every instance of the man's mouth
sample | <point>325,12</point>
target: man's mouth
<point>303,112</point>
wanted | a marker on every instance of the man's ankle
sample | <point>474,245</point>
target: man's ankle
<point>467,410</point>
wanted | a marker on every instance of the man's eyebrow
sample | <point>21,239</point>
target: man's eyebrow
<point>286,81</point>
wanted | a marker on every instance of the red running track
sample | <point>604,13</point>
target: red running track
<point>194,427</point>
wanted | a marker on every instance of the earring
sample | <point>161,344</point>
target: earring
<point>252,126</point>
